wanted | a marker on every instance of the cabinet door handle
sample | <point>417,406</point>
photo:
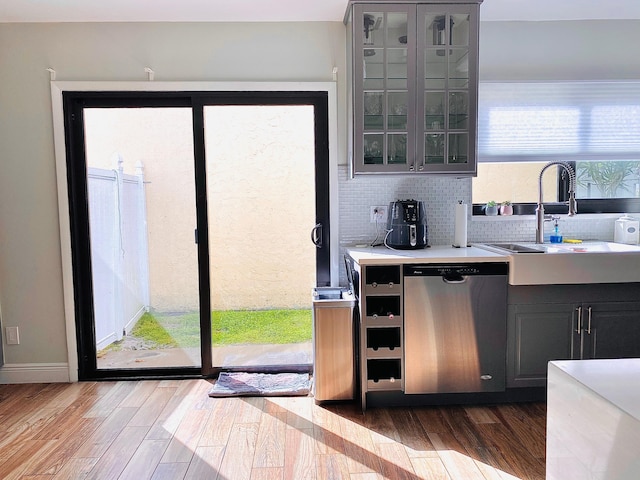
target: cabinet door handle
<point>579,310</point>
<point>589,320</point>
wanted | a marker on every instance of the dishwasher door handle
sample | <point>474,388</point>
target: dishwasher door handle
<point>454,280</point>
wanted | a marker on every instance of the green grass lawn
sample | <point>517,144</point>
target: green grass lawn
<point>227,327</point>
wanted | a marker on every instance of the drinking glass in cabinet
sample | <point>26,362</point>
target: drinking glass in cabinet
<point>434,110</point>
<point>397,115</point>
<point>373,145</point>
<point>434,148</point>
<point>397,149</point>
<point>373,119</point>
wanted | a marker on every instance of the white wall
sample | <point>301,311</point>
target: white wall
<point>31,293</point>
<point>569,50</point>
<point>30,263</point>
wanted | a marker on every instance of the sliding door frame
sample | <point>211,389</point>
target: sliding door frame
<point>171,94</point>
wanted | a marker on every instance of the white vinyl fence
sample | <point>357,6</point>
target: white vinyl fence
<point>119,255</point>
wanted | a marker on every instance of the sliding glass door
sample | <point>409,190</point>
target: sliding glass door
<point>142,218</point>
<point>191,216</point>
<point>261,202</point>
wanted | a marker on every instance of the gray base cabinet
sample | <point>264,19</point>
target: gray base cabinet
<point>568,327</point>
<point>537,334</point>
<point>613,332</point>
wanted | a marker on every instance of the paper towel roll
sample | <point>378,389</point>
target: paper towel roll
<point>460,226</point>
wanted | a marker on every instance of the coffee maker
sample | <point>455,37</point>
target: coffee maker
<point>406,225</point>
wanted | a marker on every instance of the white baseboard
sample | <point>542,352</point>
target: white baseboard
<point>34,373</point>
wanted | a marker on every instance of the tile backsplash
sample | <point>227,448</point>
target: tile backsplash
<point>440,194</point>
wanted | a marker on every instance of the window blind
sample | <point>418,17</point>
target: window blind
<point>568,121</point>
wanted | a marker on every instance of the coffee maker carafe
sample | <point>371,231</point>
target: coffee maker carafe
<point>406,225</point>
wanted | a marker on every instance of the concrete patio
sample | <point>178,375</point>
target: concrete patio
<point>249,355</point>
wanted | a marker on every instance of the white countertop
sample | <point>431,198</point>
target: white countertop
<point>436,254</point>
<point>616,381</point>
<point>593,419</point>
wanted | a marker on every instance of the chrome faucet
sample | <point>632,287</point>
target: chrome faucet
<point>573,207</point>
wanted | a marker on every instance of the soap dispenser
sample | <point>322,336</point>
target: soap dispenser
<point>556,236</point>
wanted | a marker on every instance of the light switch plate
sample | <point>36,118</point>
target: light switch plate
<point>13,336</point>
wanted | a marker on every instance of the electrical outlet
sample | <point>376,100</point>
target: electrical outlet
<point>378,215</point>
<point>13,336</point>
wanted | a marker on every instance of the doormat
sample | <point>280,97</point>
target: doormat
<point>236,384</point>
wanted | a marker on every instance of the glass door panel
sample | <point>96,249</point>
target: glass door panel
<point>459,24</point>
<point>373,69</point>
<point>398,149</point>
<point>398,105</point>
<point>434,148</point>
<point>435,69</point>
<point>384,105</point>
<point>445,88</point>
<point>373,149</point>
<point>434,106</point>
<point>261,207</point>
<point>141,193</point>
<point>458,68</point>
<point>459,110</point>
<point>373,108</point>
<point>396,69</point>
<point>458,148</point>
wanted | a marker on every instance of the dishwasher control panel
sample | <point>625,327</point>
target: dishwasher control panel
<point>436,270</point>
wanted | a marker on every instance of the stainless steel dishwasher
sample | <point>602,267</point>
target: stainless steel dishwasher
<point>455,328</point>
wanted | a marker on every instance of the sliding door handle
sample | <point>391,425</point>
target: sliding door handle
<point>316,235</point>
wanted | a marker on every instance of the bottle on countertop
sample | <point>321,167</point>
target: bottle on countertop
<point>556,236</point>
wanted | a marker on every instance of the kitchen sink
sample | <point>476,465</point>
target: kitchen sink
<point>515,248</point>
<point>567,263</point>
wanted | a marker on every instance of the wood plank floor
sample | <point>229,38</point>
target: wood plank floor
<point>173,430</point>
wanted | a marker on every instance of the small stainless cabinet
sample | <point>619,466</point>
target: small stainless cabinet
<point>333,344</point>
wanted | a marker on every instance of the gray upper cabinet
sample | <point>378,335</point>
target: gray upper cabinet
<point>413,87</point>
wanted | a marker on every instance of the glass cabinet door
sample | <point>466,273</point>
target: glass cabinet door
<point>384,103</point>
<point>447,86</point>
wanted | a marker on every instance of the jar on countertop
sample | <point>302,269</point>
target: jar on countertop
<point>627,230</point>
